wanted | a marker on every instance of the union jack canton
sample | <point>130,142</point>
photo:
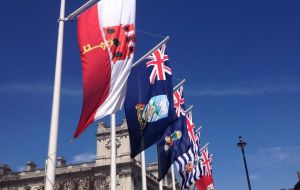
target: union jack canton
<point>178,102</point>
<point>190,125</point>
<point>206,162</point>
<point>157,60</point>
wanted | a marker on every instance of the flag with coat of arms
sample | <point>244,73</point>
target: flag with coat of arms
<point>106,39</point>
<point>175,140</point>
<point>189,165</point>
<point>149,105</point>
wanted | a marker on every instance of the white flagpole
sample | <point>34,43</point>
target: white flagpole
<point>173,177</point>
<point>179,85</point>
<point>51,160</point>
<point>204,147</point>
<point>113,174</point>
<point>144,179</point>
<point>161,184</point>
<point>189,109</point>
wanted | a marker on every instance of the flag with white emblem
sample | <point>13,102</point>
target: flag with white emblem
<point>149,105</point>
<point>173,143</point>
<point>189,165</point>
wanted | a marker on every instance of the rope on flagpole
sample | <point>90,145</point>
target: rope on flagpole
<point>150,34</point>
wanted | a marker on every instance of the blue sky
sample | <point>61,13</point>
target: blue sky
<point>240,58</point>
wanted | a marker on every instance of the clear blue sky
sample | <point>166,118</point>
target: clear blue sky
<point>240,58</point>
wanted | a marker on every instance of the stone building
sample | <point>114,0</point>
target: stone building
<point>92,175</point>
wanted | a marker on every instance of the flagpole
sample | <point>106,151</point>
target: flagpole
<point>173,177</point>
<point>161,184</point>
<point>71,16</point>
<point>151,51</point>
<point>198,130</point>
<point>204,147</point>
<point>52,148</point>
<point>179,85</point>
<point>189,110</point>
<point>113,152</point>
<point>144,180</point>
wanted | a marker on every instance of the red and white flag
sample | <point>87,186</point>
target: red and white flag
<point>106,35</point>
<point>206,181</point>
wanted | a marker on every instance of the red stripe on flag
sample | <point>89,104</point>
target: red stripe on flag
<point>95,66</point>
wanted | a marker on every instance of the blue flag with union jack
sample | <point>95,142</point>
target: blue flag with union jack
<point>149,105</point>
<point>176,140</point>
<point>189,164</point>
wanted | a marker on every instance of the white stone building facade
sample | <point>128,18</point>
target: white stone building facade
<point>93,175</point>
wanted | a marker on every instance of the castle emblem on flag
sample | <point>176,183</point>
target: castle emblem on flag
<point>169,140</point>
<point>157,60</point>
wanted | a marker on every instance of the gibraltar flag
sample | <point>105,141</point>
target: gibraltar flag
<point>106,36</point>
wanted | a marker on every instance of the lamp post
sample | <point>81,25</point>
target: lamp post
<point>242,144</point>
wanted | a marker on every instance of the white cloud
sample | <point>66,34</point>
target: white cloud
<point>246,88</point>
<point>251,176</point>
<point>276,156</point>
<point>36,88</point>
<point>84,157</point>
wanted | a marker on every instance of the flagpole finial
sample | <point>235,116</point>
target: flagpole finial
<point>242,144</point>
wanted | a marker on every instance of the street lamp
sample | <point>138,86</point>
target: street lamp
<point>242,144</point>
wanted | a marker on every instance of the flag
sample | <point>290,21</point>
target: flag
<point>189,165</point>
<point>106,37</point>
<point>149,105</point>
<point>175,140</point>
<point>206,181</point>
